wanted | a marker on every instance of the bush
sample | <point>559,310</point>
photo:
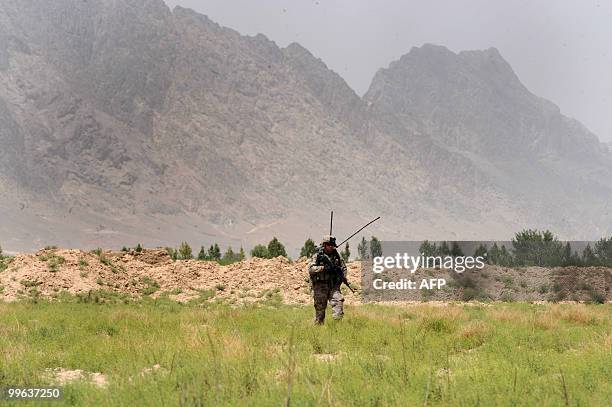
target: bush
<point>138,248</point>
<point>469,294</point>
<point>276,248</point>
<point>598,297</point>
<point>260,251</point>
<point>172,253</point>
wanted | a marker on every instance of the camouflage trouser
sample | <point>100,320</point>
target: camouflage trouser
<point>324,291</point>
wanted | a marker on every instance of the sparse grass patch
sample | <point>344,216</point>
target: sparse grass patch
<point>53,261</point>
<point>151,285</point>
<point>29,283</point>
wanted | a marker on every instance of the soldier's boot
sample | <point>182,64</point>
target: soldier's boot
<point>319,317</point>
<point>337,303</point>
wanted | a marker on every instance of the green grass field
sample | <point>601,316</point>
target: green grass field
<point>269,354</point>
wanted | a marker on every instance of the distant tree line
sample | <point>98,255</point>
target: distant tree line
<point>274,249</point>
<point>531,248</point>
<point>184,252</point>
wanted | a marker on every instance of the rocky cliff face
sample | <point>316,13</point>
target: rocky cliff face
<point>123,121</point>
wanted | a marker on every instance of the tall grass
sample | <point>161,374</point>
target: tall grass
<point>271,355</point>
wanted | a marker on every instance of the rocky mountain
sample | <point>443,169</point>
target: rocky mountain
<point>125,122</point>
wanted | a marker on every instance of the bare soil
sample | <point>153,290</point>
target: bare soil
<point>49,272</point>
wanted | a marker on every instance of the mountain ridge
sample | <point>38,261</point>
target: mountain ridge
<point>125,122</point>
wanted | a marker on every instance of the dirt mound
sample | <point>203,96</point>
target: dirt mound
<point>152,272</point>
<point>99,274</point>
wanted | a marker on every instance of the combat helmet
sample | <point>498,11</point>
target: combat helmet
<point>329,239</point>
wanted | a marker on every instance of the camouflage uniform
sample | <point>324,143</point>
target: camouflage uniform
<point>323,269</point>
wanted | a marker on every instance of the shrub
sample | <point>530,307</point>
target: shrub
<point>151,286</point>
<point>172,253</point>
<point>138,248</point>
<point>598,297</point>
<point>104,260</point>
<point>469,294</point>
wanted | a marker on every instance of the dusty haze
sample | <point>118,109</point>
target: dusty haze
<point>560,50</point>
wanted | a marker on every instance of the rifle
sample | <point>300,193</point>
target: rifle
<point>336,270</point>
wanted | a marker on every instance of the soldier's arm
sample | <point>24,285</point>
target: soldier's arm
<point>313,267</point>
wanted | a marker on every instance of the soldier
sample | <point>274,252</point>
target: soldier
<point>325,267</point>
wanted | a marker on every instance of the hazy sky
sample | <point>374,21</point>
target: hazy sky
<point>561,50</point>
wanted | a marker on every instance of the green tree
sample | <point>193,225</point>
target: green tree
<point>185,251</point>
<point>494,254</point>
<point>481,251</point>
<point>229,256</point>
<point>308,249</point>
<point>443,249</point>
<point>276,248</point>
<point>241,255</point>
<point>346,253</point>
<point>172,253</point>
<point>260,251</point>
<point>455,250</point>
<point>362,249</point>
<point>566,258</point>
<point>138,248</point>
<point>427,249</point>
<point>202,254</point>
<point>505,257</point>
<point>603,251</point>
<point>588,257</point>
<point>214,253</point>
<point>536,248</point>
<point>375,247</point>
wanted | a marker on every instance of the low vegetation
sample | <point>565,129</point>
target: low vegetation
<point>161,353</point>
